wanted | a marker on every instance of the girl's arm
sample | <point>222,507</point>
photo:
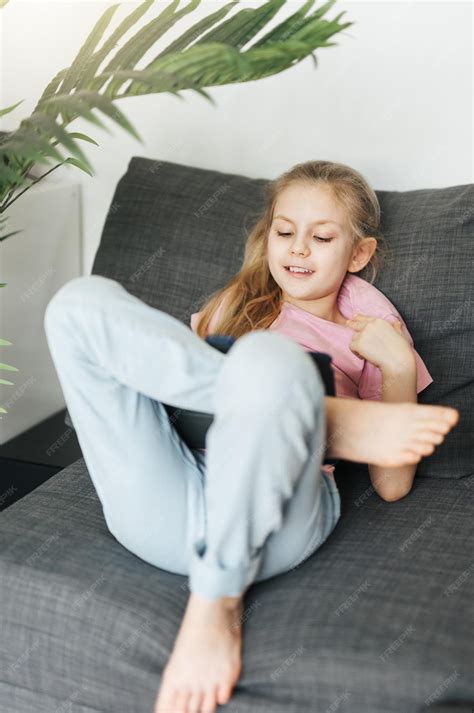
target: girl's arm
<point>398,384</point>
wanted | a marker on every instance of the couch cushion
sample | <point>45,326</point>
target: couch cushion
<point>176,233</point>
<point>376,619</point>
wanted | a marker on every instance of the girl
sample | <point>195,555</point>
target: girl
<point>258,502</point>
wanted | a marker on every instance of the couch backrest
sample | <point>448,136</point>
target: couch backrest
<point>175,233</point>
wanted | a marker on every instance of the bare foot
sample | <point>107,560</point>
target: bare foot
<point>390,434</point>
<point>205,663</point>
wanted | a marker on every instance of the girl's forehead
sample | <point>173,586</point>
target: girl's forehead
<point>306,192</point>
<point>321,208</point>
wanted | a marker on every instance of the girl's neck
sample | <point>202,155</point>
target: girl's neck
<point>337,318</point>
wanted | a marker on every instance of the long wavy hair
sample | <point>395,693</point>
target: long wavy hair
<point>251,298</point>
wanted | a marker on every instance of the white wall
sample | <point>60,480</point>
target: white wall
<point>393,99</point>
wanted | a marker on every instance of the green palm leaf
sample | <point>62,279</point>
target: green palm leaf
<point>5,342</point>
<point>71,103</point>
<point>31,142</point>
<point>137,46</point>
<point>94,61</point>
<point>195,31</point>
<point>8,235</point>
<point>10,108</point>
<point>45,124</point>
<point>209,53</point>
<point>98,101</point>
<point>217,63</point>
<point>8,367</point>
<point>84,137</point>
<point>234,33</point>
<point>240,28</point>
<point>76,70</point>
<point>79,164</point>
<point>52,87</point>
<point>288,27</point>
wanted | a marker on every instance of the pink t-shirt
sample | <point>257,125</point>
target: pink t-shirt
<point>354,377</point>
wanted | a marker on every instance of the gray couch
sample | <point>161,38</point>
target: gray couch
<point>380,619</point>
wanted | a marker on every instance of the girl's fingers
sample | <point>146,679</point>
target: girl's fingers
<point>358,317</point>
<point>354,323</point>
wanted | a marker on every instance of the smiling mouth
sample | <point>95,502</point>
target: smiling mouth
<point>298,272</point>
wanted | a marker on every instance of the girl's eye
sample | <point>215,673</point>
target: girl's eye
<point>325,240</point>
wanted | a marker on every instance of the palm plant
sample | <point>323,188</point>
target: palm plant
<point>209,53</point>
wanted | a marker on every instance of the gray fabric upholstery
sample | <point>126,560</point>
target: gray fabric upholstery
<point>380,618</point>
<point>377,619</point>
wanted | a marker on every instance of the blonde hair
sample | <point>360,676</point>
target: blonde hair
<point>252,299</point>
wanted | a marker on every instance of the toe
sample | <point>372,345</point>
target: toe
<point>408,456</point>
<point>422,448</point>
<point>180,702</point>
<point>441,426</point>
<point>448,414</point>
<point>224,693</point>
<point>427,449</point>
<point>453,416</point>
<point>195,703</point>
<point>432,437</point>
<point>208,704</point>
<point>165,701</point>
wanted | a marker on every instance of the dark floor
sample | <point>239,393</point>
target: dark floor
<point>35,456</point>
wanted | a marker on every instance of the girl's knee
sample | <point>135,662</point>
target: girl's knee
<point>85,286</point>
<point>77,292</point>
<point>267,364</point>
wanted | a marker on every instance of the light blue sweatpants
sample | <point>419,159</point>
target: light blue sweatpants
<point>257,503</point>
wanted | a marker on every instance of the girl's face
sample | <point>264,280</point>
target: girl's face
<point>299,236</point>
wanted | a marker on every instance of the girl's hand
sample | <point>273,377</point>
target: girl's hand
<point>378,341</point>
